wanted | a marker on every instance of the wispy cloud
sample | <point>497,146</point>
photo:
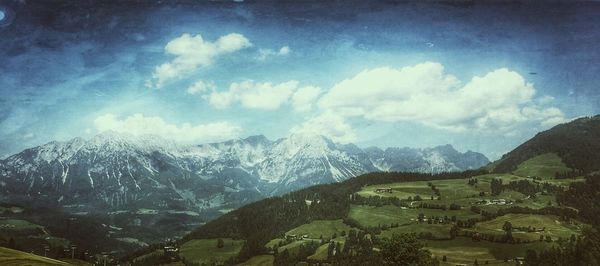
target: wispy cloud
<point>263,54</point>
<point>138,124</point>
<point>264,95</point>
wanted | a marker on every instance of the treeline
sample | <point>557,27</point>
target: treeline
<point>582,250</point>
<point>523,186</point>
<point>585,197</point>
<point>568,174</point>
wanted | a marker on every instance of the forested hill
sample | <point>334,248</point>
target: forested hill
<point>259,222</point>
<point>577,143</point>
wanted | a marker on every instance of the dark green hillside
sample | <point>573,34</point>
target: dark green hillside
<point>576,142</point>
<point>526,208</point>
<point>261,221</point>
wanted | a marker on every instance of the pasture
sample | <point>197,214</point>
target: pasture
<point>206,250</point>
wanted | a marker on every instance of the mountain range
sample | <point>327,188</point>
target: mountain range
<point>116,171</point>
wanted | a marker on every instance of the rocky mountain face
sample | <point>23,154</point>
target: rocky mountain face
<point>431,160</point>
<point>115,171</point>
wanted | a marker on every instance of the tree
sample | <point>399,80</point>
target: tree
<point>11,243</point>
<point>330,249</point>
<point>220,243</point>
<point>405,249</point>
<point>507,227</point>
<point>530,257</point>
<point>496,186</point>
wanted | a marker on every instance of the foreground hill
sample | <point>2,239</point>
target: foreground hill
<point>471,217</point>
<point>577,143</point>
<point>11,257</point>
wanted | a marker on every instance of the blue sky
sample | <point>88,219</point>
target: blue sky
<point>480,77</point>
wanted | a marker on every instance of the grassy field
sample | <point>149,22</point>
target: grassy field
<point>388,214</point>
<point>293,247</point>
<point>260,260</point>
<point>544,166</point>
<point>156,252</point>
<point>465,250</point>
<point>205,250</point>
<point>451,191</point>
<point>11,257</point>
<point>553,227</point>
<point>321,252</point>
<point>274,242</point>
<point>16,224</point>
<point>318,228</point>
<point>399,190</point>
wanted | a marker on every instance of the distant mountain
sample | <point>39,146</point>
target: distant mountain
<point>113,170</point>
<point>577,143</point>
<point>431,160</point>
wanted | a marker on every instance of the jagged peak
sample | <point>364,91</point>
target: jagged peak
<point>257,139</point>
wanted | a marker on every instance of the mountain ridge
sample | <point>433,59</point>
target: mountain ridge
<point>121,169</point>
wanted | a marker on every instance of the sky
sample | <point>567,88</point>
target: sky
<point>483,77</point>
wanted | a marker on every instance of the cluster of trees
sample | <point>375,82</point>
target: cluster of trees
<point>377,201</point>
<point>473,181</point>
<point>469,223</point>
<point>358,247</point>
<point>405,249</point>
<point>400,249</point>
<point>428,205</point>
<point>584,197</point>
<point>435,190</point>
<point>525,187</point>
<point>496,186</point>
<point>582,250</point>
<point>568,174</point>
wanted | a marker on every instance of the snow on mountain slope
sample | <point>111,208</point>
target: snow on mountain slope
<point>117,169</point>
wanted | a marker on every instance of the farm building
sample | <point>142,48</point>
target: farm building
<point>381,190</point>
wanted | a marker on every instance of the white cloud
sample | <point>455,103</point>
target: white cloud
<point>303,98</point>
<point>192,52</point>
<point>328,124</point>
<point>201,86</point>
<point>266,53</point>
<point>28,136</point>
<point>424,93</point>
<point>139,124</point>
<point>285,50</point>
<point>265,96</point>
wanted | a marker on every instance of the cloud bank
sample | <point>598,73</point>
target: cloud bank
<point>138,124</point>
<point>264,95</point>
<point>496,102</point>
<point>192,52</point>
<point>329,125</point>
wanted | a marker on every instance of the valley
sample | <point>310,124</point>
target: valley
<point>544,210</point>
